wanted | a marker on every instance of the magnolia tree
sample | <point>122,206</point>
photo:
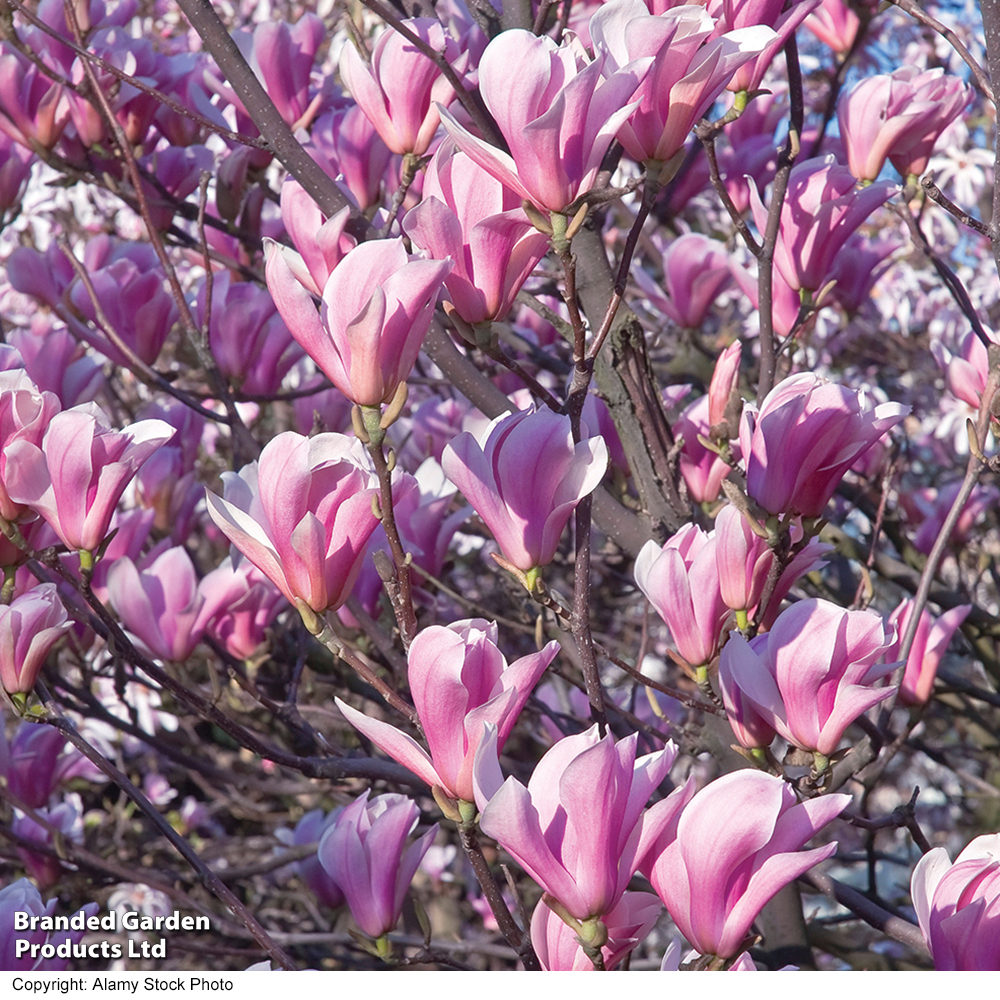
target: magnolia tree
<point>500,486</point>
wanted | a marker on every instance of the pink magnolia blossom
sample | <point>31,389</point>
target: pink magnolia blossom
<point>310,830</point>
<point>282,56</point>
<point>858,267</point>
<point>928,506</point>
<point>805,436</point>
<point>725,379</point>
<point>556,113</point>
<point>468,215</point>
<point>302,514</point>
<point>459,680</point>
<point>966,370</point>
<point>25,414</point>
<point>702,468</point>
<point>16,162</point>
<point>241,603</point>
<point>57,362</point>
<point>786,302</point>
<point>29,627</point>
<point>63,821</point>
<point>32,111</point>
<point>33,762</point>
<point>321,243</point>
<point>402,90</point>
<point>377,307</point>
<point>249,340</point>
<point>524,477</point>
<point>898,116</point>
<point>958,906</point>
<point>78,474</point>
<point>681,581</point>
<point>355,151</point>
<point>814,673</point>
<point>742,558</point>
<point>752,728</point>
<point>161,603</point>
<point>579,827</point>
<point>136,303</point>
<point>688,72</point>
<point>178,169</point>
<point>628,923</point>
<point>835,24</point>
<point>821,211</point>
<point>365,854</point>
<point>736,843</point>
<point>695,270</point>
<point>783,18</point>
<point>929,646</point>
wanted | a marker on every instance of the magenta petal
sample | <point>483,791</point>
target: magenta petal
<point>400,747</point>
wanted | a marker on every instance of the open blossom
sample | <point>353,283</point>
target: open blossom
<point>401,90</point>
<point>783,17</point>
<point>958,906</point>
<point>806,435</point>
<point>898,116</point>
<point>468,215</point>
<point>76,477</point>
<point>821,211</point>
<point>579,827</point>
<point>29,626</point>
<point>25,413</point>
<point>736,843</point>
<point>929,645</point>
<point>695,270</point>
<point>688,72</point>
<point>459,680</point>
<point>681,581</point>
<point>814,673</point>
<point>555,111</point>
<point>161,604</point>
<point>365,853</point>
<point>378,303</point>
<point>524,477</point>
<point>302,514</point>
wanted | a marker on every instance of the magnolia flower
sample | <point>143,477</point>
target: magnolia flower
<point>806,435</point>
<point>958,906</point>
<point>302,514</point>
<point>814,673</point>
<point>364,852</point>
<point>681,581</point>
<point>78,474</point>
<point>524,477</point>
<point>578,828</point>
<point>556,113</point>
<point>377,307</point>
<point>735,844</point>
<point>459,680</point>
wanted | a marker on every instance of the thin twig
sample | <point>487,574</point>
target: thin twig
<point>211,881</point>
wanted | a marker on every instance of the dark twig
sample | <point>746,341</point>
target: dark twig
<point>211,881</point>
